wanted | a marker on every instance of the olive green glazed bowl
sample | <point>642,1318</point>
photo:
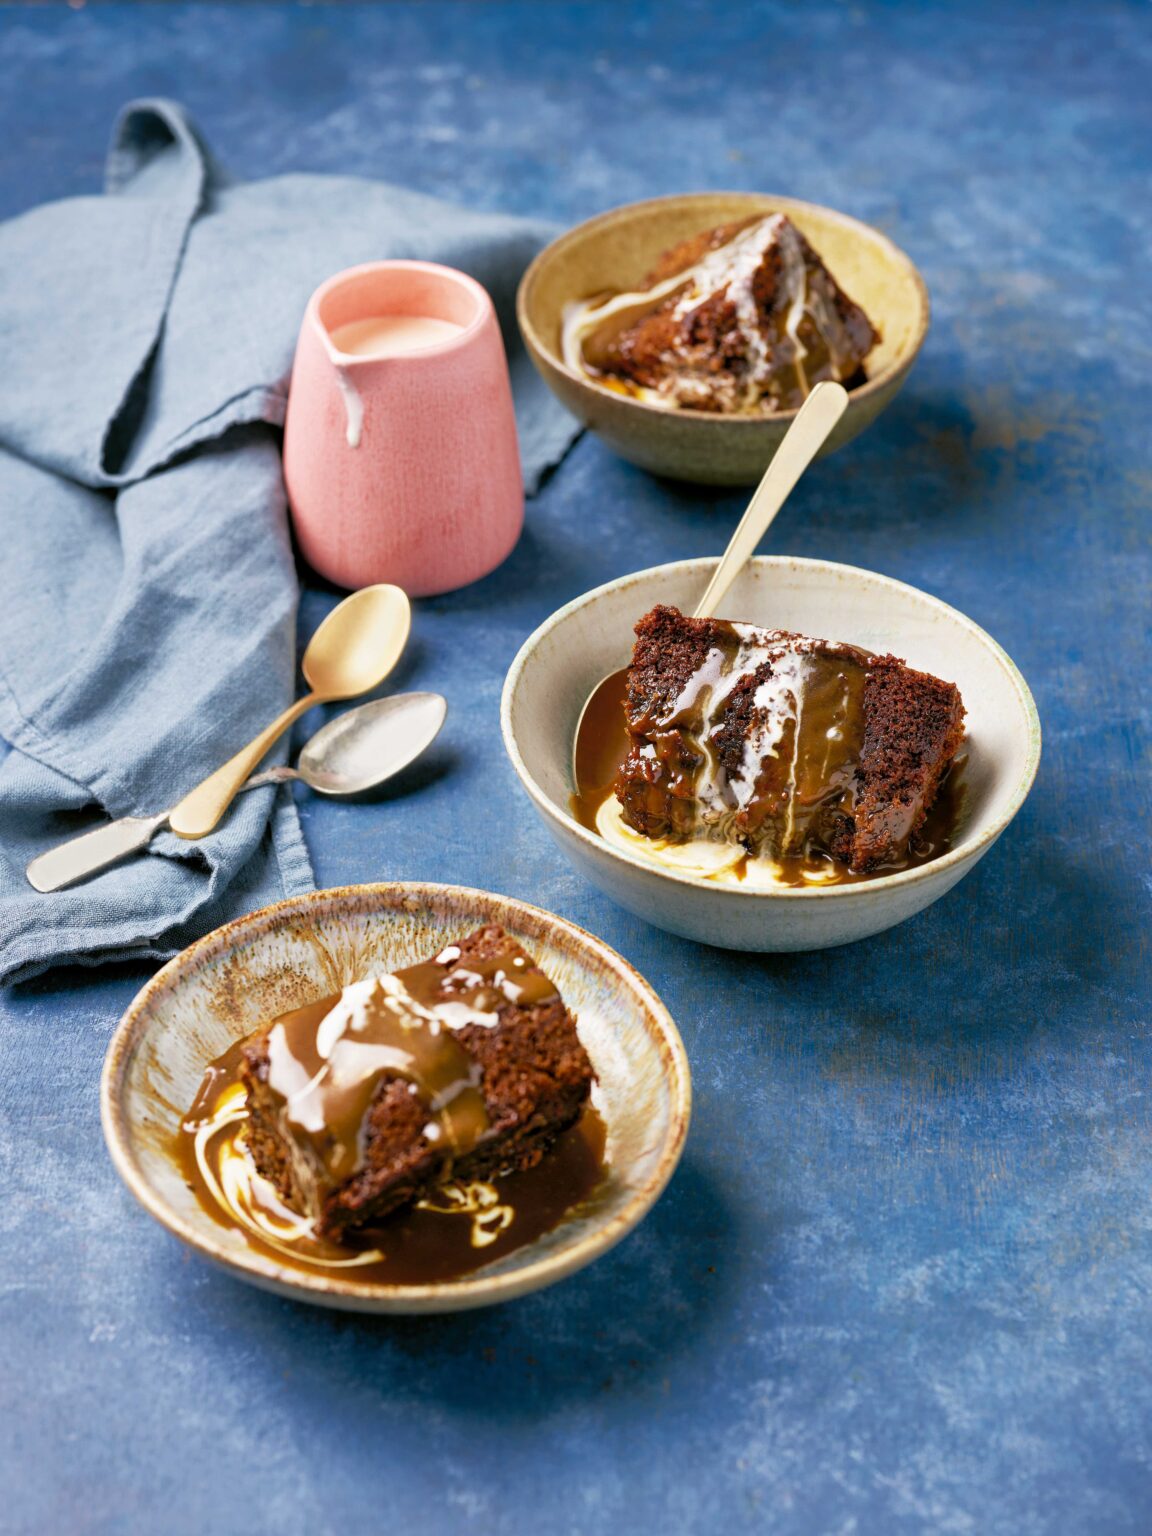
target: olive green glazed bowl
<point>616,250</point>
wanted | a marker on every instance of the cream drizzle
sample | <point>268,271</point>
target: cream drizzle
<point>718,793</point>
<point>353,407</point>
<point>706,858</point>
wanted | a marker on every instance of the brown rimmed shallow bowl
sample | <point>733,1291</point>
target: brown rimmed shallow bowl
<point>283,956</point>
<point>616,250</point>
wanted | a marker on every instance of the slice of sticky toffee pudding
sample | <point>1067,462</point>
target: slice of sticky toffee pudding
<point>741,318</point>
<point>792,747</point>
<point>464,1066</point>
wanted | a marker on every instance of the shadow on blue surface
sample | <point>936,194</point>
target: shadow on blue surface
<point>612,1326</point>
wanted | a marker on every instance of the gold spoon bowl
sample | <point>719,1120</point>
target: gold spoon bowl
<point>351,653</point>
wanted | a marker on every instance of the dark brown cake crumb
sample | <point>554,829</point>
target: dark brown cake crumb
<point>913,727</point>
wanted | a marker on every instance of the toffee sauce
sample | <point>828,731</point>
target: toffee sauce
<point>603,744</point>
<point>456,1229</point>
<point>325,1061</point>
<point>326,1085</point>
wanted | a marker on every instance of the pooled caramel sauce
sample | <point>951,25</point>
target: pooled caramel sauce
<point>455,1229</point>
<point>797,769</point>
<point>601,746</point>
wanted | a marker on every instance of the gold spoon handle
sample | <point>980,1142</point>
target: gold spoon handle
<point>802,442</point>
<point>202,808</point>
<point>93,851</point>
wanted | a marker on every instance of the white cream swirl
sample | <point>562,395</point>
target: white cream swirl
<point>719,863</point>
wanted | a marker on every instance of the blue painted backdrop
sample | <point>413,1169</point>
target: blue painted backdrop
<point>901,1281</point>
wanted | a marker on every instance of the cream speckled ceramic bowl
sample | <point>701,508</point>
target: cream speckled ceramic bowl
<point>567,656</point>
<point>616,250</point>
<point>229,983</point>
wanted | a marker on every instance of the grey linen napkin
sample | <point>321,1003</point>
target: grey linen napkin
<point>147,587</point>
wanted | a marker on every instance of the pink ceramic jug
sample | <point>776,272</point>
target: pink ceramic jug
<point>400,453</point>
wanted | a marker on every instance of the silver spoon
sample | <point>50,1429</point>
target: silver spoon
<point>801,443</point>
<point>359,750</point>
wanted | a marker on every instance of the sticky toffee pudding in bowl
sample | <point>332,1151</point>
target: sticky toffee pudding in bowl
<point>746,785</point>
<point>397,1098</point>
<point>413,1126</point>
<point>687,330</point>
<point>758,759</point>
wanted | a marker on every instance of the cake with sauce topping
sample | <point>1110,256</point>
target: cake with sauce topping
<point>743,318</point>
<point>793,747</point>
<point>465,1066</point>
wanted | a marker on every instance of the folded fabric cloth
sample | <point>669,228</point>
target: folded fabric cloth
<point>147,589</point>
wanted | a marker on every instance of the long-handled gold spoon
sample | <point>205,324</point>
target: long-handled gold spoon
<point>799,446</point>
<point>351,653</point>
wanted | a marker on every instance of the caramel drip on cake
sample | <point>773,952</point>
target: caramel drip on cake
<point>471,992</point>
<point>803,709</point>
<point>325,1061</point>
<point>790,747</point>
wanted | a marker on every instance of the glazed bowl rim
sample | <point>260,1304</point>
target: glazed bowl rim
<point>955,858</point>
<point>472,1290</point>
<point>872,385</point>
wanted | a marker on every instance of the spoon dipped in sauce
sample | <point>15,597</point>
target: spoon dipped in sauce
<point>357,751</point>
<point>801,443</point>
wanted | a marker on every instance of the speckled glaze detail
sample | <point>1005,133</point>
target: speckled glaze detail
<point>283,956</point>
<point>615,250</point>
<point>403,469</point>
<point>563,660</point>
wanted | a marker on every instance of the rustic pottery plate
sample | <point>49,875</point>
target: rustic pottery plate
<point>230,982</point>
<point>615,251</point>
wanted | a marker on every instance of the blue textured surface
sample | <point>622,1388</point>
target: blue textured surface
<point>901,1281</point>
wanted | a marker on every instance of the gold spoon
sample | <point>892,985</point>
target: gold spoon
<point>799,446</point>
<point>351,653</point>
<point>354,649</point>
<point>358,750</point>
